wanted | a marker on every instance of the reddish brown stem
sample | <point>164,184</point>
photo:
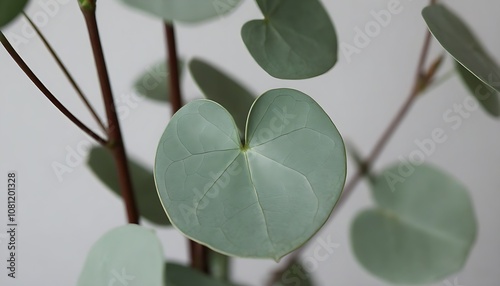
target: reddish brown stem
<point>22,64</point>
<point>116,144</point>
<point>198,252</point>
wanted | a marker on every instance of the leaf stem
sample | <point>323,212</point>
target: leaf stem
<point>66,73</point>
<point>20,62</point>
<point>116,144</point>
<point>198,252</point>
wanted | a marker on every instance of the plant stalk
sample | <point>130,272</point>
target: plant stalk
<point>198,252</point>
<point>38,83</point>
<point>116,144</point>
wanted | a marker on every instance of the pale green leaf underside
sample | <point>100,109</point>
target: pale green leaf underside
<point>179,275</point>
<point>486,96</point>
<point>462,44</point>
<point>130,254</point>
<point>239,200</point>
<point>154,83</point>
<point>295,40</point>
<point>101,163</point>
<point>219,87</point>
<point>9,9</point>
<point>189,11</point>
<point>421,231</point>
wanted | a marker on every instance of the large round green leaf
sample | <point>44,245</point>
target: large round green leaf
<point>295,40</point>
<point>487,96</point>
<point>421,230</point>
<point>239,197</point>
<point>9,9</point>
<point>178,275</point>
<point>101,163</point>
<point>129,255</point>
<point>185,10</point>
<point>462,44</point>
<point>219,87</point>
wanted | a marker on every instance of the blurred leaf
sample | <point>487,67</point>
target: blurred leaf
<point>154,83</point>
<point>422,229</point>
<point>296,275</point>
<point>219,87</point>
<point>128,255</point>
<point>239,199</point>
<point>295,40</point>
<point>101,163</point>
<point>219,265</point>
<point>462,44</point>
<point>178,275</point>
<point>10,9</point>
<point>487,97</point>
<point>189,11</point>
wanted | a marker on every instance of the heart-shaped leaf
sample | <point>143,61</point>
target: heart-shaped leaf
<point>421,230</point>
<point>189,11</point>
<point>154,84</point>
<point>219,87</point>
<point>295,40</point>
<point>101,164</point>
<point>487,96</point>
<point>239,198</point>
<point>128,255</point>
<point>462,44</point>
<point>179,275</point>
<point>9,10</point>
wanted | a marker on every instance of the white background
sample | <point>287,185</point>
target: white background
<point>59,221</point>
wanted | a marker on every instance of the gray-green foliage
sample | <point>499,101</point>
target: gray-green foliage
<point>238,198</point>
<point>129,254</point>
<point>10,9</point>
<point>421,230</point>
<point>295,40</point>
<point>101,163</point>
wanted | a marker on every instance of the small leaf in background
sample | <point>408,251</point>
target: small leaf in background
<point>295,40</point>
<point>219,87</point>
<point>487,97</point>
<point>219,265</point>
<point>189,11</point>
<point>296,275</point>
<point>462,44</point>
<point>101,163</point>
<point>10,9</point>
<point>129,255</point>
<point>422,229</point>
<point>154,83</point>
<point>178,275</point>
<point>239,199</point>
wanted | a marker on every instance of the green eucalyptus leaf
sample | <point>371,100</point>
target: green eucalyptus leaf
<point>239,198</point>
<point>462,44</point>
<point>487,97</point>
<point>295,275</point>
<point>219,87</point>
<point>179,275</point>
<point>295,40</point>
<point>422,229</point>
<point>129,255</point>
<point>10,9</point>
<point>154,83</point>
<point>101,163</point>
<point>189,11</point>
